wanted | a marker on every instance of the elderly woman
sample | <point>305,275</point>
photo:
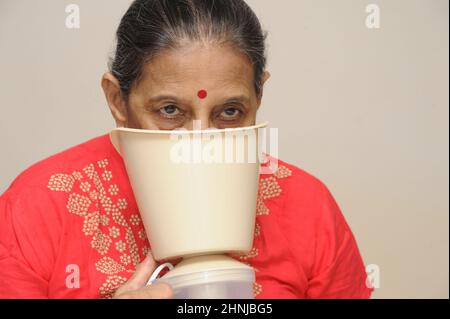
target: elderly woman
<point>70,226</point>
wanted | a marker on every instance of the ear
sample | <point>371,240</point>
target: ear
<point>264,78</point>
<point>116,103</point>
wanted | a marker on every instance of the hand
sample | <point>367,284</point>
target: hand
<point>135,287</point>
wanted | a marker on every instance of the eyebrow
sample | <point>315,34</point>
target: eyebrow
<point>161,97</point>
<point>235,99</point>
<point>239,98</point>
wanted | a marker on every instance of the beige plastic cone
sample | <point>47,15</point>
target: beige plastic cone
<point>194,197</point>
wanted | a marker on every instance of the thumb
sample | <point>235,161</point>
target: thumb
<point>142,273</point>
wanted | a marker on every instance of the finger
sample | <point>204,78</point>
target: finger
<point>157,291</point>
<point>160,290</point>
<point>142,273</point>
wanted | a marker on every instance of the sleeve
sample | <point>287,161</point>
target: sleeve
<point>338,271</point>
<point>29,237</point>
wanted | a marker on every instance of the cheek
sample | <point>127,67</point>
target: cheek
<point>147,122</point>
<point>250,116</point>
<point>139,119</point>
<point>250,119</point>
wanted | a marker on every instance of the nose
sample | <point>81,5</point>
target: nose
<point>200,123</point>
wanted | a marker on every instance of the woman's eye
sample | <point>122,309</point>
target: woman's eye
<point>230,113</point>
<point>170,110</point>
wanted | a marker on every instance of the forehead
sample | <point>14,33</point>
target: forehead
<point>216,68</point>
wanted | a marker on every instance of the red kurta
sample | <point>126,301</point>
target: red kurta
<point>74,215</point>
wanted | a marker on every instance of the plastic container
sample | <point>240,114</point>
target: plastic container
<point>215,284</point>
<point>211,277</point>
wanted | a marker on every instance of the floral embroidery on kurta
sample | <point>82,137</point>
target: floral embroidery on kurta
<point>116,244</point>
<point>268,188</point>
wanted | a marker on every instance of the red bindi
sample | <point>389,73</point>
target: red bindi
<point>202,94</point>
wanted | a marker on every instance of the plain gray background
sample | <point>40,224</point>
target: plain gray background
<point>365,110</point>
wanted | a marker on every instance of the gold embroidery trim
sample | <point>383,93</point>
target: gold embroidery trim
<point>268,188</point>
<point>110,215</point>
